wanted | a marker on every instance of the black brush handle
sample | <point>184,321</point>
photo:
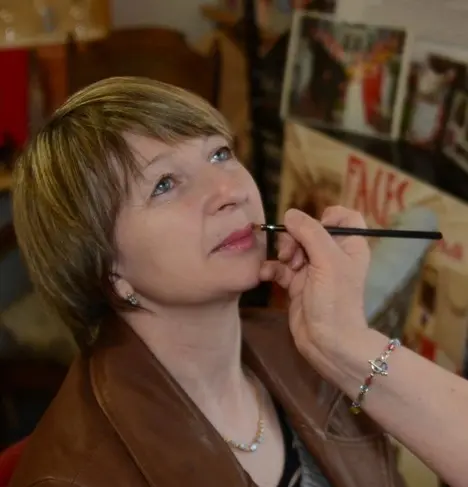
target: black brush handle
<point>367,232</point>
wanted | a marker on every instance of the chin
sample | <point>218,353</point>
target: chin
<point>240,274</point>
<point>237,288</point>
<point>245,283</point>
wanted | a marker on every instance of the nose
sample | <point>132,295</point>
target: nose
<point>223,191</point>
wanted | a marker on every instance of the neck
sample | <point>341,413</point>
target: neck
<point>199,346</point>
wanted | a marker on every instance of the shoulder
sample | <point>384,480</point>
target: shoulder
<point>74,443</point>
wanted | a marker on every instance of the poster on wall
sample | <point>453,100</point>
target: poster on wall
<point>455,145</point>
<point>432,84</point>
<point>432,314</point>
<point>272,67</point>
<point>346,76</point>
<point>274,59</point>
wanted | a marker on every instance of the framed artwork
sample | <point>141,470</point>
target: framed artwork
<point>455,144</point>
<point>433,82</point>
<point>346,76</point>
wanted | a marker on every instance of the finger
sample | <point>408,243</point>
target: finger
<point>286,246</point>
<point>277,272</point>
<point>310,234</point>
<point>298,260</point>
<point>267,270</point>
<point>339,216</point>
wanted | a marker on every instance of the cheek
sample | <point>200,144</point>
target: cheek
<point>150,245</point>
<point>164,267</point>
<point>137,250</point>
<point>153,264</point>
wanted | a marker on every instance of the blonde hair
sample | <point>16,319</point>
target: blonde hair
<point>72,178</point>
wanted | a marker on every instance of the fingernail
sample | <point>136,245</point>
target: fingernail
<point>296,262</point>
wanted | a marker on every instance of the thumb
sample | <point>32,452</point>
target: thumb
<point>310,234</point>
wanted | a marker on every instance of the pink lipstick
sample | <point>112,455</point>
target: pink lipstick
<point>239,240</point>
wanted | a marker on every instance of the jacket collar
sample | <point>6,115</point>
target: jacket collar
<point>165,433</point>
<point>350,450</point>
<point>169,438</point>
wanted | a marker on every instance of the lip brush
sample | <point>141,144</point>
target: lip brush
<point>364,232</point>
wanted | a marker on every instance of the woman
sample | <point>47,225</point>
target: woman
<point>136,221</point>
<point>419,403</point>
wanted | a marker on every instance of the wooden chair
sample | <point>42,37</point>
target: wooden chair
<point>152,53</point>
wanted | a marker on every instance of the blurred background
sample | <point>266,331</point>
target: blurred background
<point>352,102</point>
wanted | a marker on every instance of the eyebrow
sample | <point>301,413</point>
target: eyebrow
<point>159,157</point>
<point>146,164</point>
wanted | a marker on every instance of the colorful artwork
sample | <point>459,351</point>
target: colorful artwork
<point>455,145</point>
<point>432,84</point>
<point>319,171</point>
<point>346,76</point>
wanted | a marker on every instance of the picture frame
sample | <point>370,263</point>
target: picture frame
<point>346,76</point>
<point>433,82</point>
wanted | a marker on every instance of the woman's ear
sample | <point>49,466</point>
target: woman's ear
<point>121,286</point>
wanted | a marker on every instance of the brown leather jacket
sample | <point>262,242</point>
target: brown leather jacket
<point>120,420</point>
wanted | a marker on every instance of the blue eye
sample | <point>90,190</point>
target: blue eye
<point>223,154</point>
<point>165,184</point>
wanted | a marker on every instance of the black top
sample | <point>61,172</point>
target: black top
<point>291,476</point>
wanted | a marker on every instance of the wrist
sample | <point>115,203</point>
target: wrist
<point>352,357</point>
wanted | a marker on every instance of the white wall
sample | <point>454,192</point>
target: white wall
<point>183,15</point>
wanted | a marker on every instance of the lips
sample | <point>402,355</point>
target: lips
<point>239,239</point>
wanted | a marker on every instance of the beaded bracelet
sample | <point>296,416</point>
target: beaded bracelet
<point>379,366</point>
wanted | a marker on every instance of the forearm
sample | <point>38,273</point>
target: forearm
<point>422,405</point>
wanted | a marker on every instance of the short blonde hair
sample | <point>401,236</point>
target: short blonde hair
<point>68,188</point>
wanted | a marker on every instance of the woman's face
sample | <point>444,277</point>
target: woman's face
<point>190,198</point>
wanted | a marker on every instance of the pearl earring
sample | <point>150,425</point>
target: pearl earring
<point>132,299</point>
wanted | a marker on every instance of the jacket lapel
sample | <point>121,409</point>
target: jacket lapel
<point>166,435</point>
<point>173,444</point>
<point>350,450</point>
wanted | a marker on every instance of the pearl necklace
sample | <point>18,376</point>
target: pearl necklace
<point>253,445</point>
